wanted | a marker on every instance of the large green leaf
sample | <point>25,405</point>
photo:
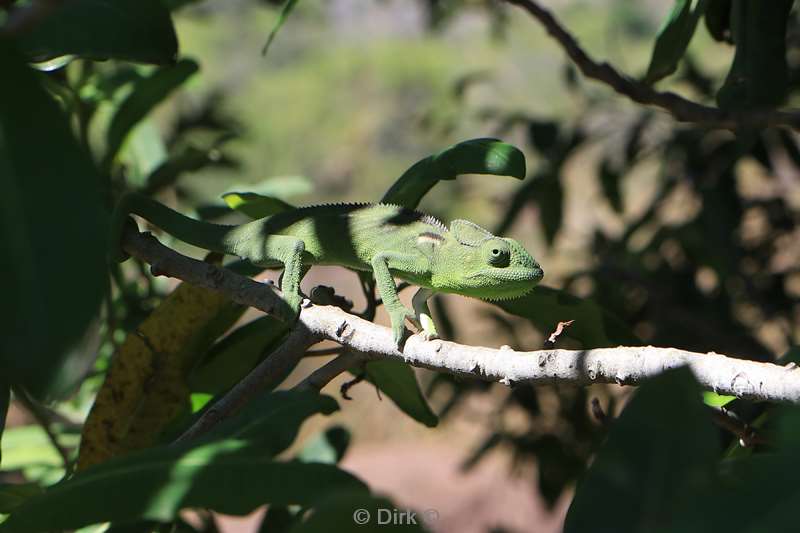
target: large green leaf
<point>146,94</point>
<point>134,30</point>
<point>476,156</point>
<point>673,38</point>
<point>660,454</point>
<point>53,228</point>
<point>230,471</point>
<point>759,75</point>
<point>594,327</point>
<point>398,382</point>
<point>233,357</point>
<point>226,476</point>
<point>271,422</point>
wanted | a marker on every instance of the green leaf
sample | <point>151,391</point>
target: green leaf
<point>362,513</point>
<point>712,399</point>
<point>286,10</point>
<point>233,357</point>
<point>133,30</point>
<point>189,159</point>
<point>398,382</point>
<point>12,495</point>
<point>255,205</point>
<point>51,216</point>
<point>759,75</point>
<point>594,327</point>
<point>226,476</point>
<point>271,422</point>
<point>673,38</point>
<point>146,95</point>
<point>660,454</point>
<point>476,156</point>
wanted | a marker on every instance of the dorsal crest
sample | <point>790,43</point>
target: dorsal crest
<point>469,233</point>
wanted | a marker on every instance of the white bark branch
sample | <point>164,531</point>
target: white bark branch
<point>623,365</point>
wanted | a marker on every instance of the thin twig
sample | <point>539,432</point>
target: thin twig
<point>326,373</point>
<point>682,109</point>
<point>42,418</point>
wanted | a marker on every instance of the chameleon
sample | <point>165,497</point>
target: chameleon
<point>391,241</point>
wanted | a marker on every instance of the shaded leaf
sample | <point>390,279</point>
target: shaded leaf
<point>328,446</point>
<point>476,156</point>
<point>189,159</point>
<point>160,482</point>
<point>543,135</point>
<point>759,75</point>
<point>661,453</point>
<point>673,38</point>
<point>133,30</point>
<point>146,95</point>
<point>398,381</point>
<point>278,519</point>
<point>228,361</point>
<point>594,327</point>
<point>14,495</point>
<point>52,209</point>
<point>271,421</point>
<point>5,401</point>
<point>255,205</point>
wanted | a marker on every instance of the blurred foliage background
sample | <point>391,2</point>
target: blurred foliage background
<point>687,235</point>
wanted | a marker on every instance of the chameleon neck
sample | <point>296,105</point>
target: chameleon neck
<point>206,235</point>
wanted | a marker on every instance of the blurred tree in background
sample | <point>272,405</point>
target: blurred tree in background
<point>661,218</point>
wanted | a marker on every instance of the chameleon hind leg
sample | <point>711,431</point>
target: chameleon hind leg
<point>289,251</point>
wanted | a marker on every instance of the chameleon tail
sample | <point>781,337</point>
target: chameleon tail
<point>213,237</point>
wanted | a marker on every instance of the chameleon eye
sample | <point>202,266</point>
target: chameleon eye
<point>497,254</point>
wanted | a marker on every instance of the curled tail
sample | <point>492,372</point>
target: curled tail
<point>213,237</point>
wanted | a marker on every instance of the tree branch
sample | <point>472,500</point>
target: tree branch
<point>622,365</point>
<point>682,109</point>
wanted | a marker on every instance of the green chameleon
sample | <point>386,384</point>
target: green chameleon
<point>388,240</point>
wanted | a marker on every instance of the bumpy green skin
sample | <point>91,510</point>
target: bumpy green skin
<point>388,240</point>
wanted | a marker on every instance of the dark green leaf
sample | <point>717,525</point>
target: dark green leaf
<point>362,513</point>
<point>233,357</point>
<point>286,10</point>
<point>133,30</point>
<point>271,422</point>
<point>278,519</point>
<point>594,327</point>
<point>52,216</point>
<point>673,38</point>
<point>189,159</point>
<point>398,382</point>
<point>146,94</point>
<point>476,156</point>
<point>226,476</point>
<point>759,75</point>
<point>255,205</point>
<point>609,181</point>
<point>548,194</point>
<point>718,20</point>
<point>660,454</point>
<point>14,495</point>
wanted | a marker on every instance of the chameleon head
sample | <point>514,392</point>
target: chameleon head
<point>486,267</point>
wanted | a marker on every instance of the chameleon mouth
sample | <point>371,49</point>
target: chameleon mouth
<point>512,275</point>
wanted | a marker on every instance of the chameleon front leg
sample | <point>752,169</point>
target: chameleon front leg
<point>423,314</point>
<point>398,312</point>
